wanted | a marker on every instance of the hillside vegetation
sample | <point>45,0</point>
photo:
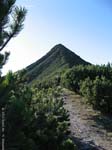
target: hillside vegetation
<point>92,82</point>
<point>34,119</point>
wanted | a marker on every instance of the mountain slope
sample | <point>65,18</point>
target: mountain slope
<point>57,59</point>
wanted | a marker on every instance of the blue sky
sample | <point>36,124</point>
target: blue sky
<point>84,26</point>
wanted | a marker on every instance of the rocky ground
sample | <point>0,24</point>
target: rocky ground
<point>89,129</point>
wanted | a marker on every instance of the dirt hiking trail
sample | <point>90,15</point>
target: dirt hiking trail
<point>89,129</point>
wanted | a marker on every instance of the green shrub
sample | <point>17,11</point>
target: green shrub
<point>68,145</point>
<point>98,93</point>
<point>51,120</point>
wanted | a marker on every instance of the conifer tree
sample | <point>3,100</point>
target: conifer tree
<point>11,23</point>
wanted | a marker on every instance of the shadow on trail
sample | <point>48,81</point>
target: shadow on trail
<point>82,145</point>
<point>102,121</point>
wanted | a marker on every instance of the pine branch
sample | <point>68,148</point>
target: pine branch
<point>18,19</point>
<point>6,42</point>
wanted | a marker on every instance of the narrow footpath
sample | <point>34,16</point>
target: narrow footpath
<point>90,130</point>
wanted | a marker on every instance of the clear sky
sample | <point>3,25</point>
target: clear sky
<point>84,26</point>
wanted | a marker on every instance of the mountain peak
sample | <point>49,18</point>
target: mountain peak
<point>59,47</point>
<point>57,59</point>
